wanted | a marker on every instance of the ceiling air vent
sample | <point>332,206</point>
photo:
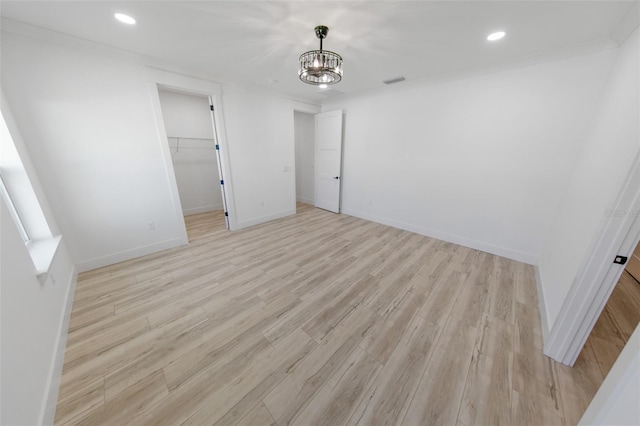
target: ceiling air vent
<point>394,80</point>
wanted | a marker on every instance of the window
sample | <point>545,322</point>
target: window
<point>12,210</point>
<point>20,197</point>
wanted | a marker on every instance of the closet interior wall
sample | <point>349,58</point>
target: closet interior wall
<point>189,128</point>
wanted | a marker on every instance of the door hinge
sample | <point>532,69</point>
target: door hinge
<point>226,214</point>
<point>217,147</point>
<point>211,106</point>
<point>221,182</point>
<point>620,260</point>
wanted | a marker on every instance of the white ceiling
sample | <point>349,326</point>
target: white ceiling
<point>253,42</point>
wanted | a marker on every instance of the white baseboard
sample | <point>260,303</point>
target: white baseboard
<point>519,256</point>
<point>542,306</point>
<point>99,262</point>
<point>306,200</point>
<point>55,376</point>
<point>203,209</point>
<point>263,219</point>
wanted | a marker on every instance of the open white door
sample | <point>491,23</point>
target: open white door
<point>328,160</point>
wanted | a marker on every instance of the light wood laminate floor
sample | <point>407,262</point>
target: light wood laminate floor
<point>616,323</point>
<point>314,319</point>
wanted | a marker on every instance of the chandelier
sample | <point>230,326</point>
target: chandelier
<point>320,67</point>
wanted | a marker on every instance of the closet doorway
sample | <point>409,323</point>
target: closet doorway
<point>191,136</point>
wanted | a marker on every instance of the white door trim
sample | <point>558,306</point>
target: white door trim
<point>310,110</point>
<point>219,161</point>
<point>331,179</point>
<point>598,274</point>
<point>200,87</point>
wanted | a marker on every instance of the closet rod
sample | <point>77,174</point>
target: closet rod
<point>193,139</point>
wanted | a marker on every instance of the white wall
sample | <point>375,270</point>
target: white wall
<point>32,329</point>
<point>304,130</point>
<point>91,133</point>
<point>608,149</point>
<point>187,120</point>
<point>259,128</point>
<point>90,127</point>
<point>480,161</point>
<point>34,313</point>
<point>186,115</point>
<point>35,310</point>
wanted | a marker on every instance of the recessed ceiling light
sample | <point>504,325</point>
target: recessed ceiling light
<point>496,36</point>
<point>125,18</point>
<point>322,86</point>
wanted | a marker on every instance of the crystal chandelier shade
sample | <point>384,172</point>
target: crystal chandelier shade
<point>320,66</point>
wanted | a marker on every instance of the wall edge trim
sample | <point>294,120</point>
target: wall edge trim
<point>203,209</point>
<point>306,200</point>
<point>528,258</point>
<point>111,259</point>
<point>263,219</point>
<point>542,306</point>
<point>49,403</point>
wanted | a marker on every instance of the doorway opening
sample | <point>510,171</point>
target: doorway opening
<point>318,158</point>
<point>304,137</point>
<point>191,137</point>
<point>600,271</point>
<point>618,319</point>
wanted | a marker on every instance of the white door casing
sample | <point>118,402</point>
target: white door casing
<point>328,160</point>
<point>219,163</point>
<point>598,275</point>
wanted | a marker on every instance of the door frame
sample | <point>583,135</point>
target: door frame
<point>619,235</point>
<point>218,149</point>
<point>306,108</point>
<point>159,78</point>
<point>340,113</point>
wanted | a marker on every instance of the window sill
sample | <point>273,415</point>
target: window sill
<point>42,253</point>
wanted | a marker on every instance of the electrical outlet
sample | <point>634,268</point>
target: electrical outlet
<point>152,226</point>
<point>261,203</point>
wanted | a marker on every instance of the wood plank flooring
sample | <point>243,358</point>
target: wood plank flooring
<point>616,323</point>
<point>314,319</point>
